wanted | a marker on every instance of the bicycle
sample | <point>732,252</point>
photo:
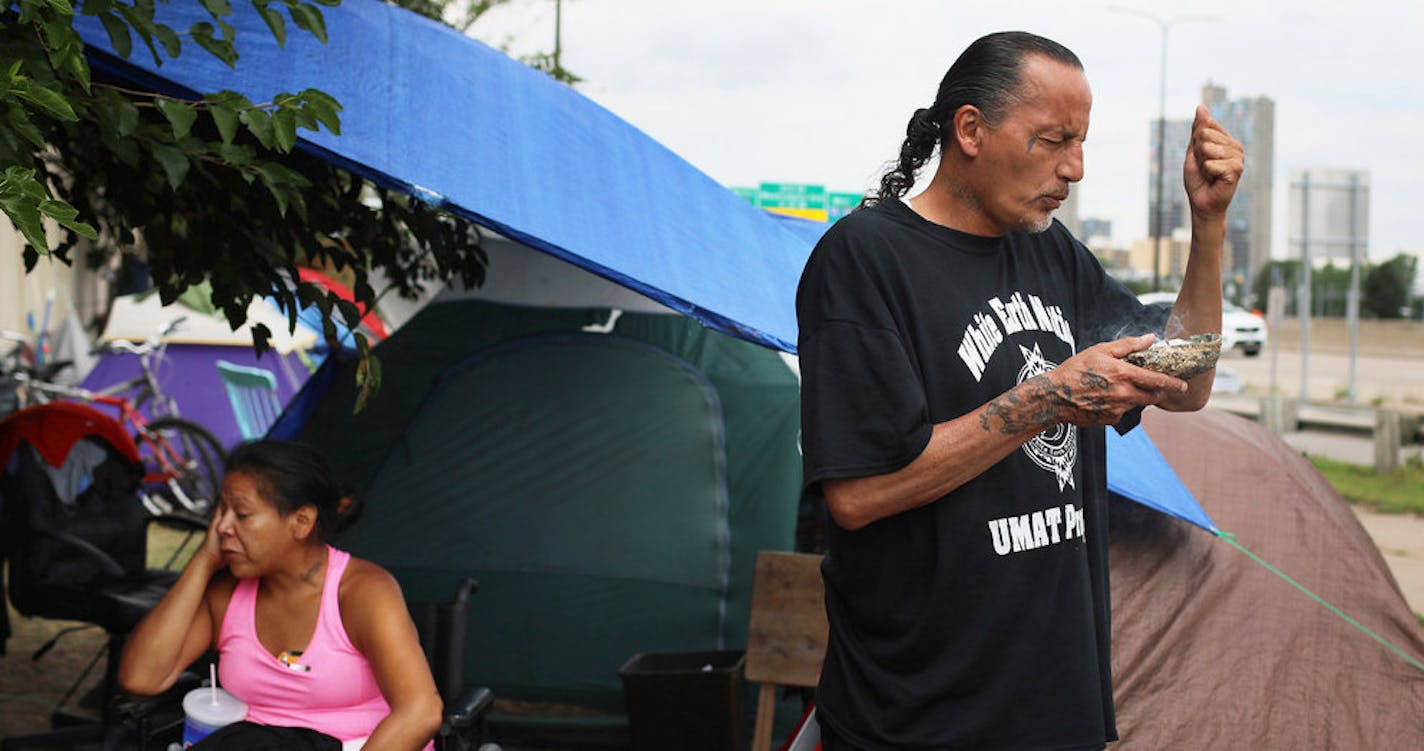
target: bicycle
<point>182,460</point>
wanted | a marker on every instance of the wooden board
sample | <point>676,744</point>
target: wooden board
<point>786,633</point>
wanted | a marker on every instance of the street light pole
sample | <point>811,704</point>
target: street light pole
<point>1161,166</point>
<point>558,33</point>
<point>1160,205</point>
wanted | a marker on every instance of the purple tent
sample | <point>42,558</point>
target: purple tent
<point>188,369</point>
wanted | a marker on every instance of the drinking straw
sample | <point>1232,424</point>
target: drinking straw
<point>213,682</point>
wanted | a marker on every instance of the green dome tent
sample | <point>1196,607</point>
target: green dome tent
<point>607,476</point>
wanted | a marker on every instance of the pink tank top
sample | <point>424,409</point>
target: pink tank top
<point>330,688</point>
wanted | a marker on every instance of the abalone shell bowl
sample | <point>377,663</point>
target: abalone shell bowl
<point>1182,358</point>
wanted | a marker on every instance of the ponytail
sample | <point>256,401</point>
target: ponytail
<point>924,131</point>
<point>986,76</point>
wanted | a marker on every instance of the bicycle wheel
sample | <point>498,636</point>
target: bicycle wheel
<point>183,463</point>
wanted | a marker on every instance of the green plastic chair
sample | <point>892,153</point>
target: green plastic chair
<point>253,395</point>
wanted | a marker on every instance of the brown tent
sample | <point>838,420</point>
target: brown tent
<point>1212,650</point>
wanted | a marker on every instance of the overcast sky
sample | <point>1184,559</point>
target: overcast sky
<point>818,91</point>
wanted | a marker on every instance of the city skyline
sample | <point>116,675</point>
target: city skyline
<point>819,92</point>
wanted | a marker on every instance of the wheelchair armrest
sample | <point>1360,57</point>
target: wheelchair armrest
<point>137,709</point>
<point>466,710</point>
<point>104,560</point>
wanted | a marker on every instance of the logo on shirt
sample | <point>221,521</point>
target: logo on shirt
<point>1056,449</point>
<point>988,329</point>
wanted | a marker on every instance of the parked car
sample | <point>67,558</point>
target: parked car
<point>1240,329</point>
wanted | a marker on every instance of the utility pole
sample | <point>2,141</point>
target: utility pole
<point>558,34</point>
<point>1159,206</point>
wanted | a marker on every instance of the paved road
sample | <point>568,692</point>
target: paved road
<point>1397,381</point>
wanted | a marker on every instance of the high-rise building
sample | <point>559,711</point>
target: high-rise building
<point>1248,222</point>
<point>1068,213</point>
<point>1252,121</point>
<point>1175,214</point>
<point>1095,227</point>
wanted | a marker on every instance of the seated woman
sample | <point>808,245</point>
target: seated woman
<point>308,636</point>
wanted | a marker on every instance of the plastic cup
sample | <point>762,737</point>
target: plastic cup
<point>206,709</point>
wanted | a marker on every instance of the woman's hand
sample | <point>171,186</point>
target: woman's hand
<point>180,628</point>
<point>210,553</point>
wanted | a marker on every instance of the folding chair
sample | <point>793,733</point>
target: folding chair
<point>253,395</point>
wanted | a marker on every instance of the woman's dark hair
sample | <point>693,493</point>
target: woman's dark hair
<point>291,475</point>
<point>986,75</point>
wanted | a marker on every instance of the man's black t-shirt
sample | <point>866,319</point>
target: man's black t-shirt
<point>979,620</point>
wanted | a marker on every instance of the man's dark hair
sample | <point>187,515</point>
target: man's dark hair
<point>290,475</point>
<point>987,75</point>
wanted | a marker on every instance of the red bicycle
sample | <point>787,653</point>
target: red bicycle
<point>183,461</point>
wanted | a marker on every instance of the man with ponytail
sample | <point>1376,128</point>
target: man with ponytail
<point>961,354</point>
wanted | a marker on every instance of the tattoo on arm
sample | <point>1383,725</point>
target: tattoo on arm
<point>1040,404</point>
<point>1093,381</point>
<point>1034,410</point>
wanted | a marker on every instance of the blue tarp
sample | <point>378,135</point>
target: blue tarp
<point>454,122</point>
<point>1137,470</point>
<point>457,123</point>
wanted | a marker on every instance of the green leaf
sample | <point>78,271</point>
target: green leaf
<point>259,123</point>
<point>181,116</point>
<point>119,37</point>
<point>308,17</point>
<point>25,215</point>
<point>126,116</point>
<point>22,126</point>
<point>276,23</point>
<point>260,338</point>
<point>305,118</point>
<point>284,129</point>
<point>143,25</point>
<point>368,379</point>
<point>66,216</point>
<point>84,229</point>
<point>226,120</point>
<point>222,49</point>
<point>273,176</point>
<point>62,7</point>
<point>324,107</point>
<point>218,7</point>
<point>174,162</point>
<point>168,38</point>
<point>237,155</point>
<point>30,10</point>
<point>349,312</point>
<point>95,7</point>
<point>58,210</point>
<point>53,103</point>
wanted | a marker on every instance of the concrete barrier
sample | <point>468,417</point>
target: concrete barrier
<point>1388,429</point>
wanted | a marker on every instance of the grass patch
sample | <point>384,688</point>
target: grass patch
<point>1401,491</point>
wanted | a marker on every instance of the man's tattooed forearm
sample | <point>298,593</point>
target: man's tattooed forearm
<point>1034,410</point>
<point>1039,404</point>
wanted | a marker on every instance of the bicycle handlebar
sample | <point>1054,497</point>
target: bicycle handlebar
<point>124,345</point>
<point>148,345</point>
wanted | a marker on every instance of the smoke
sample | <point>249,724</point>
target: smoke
<point>1131,320</point>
